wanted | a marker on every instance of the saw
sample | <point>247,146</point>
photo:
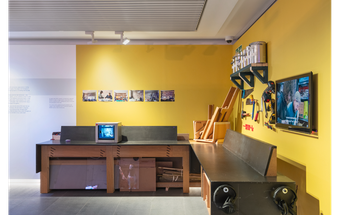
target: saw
<point>246,93</point>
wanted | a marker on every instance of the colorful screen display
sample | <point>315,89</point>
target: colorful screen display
<point>293,102</point>
<point>106,132</point>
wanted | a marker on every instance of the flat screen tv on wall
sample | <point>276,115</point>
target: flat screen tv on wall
<point>294,103</point>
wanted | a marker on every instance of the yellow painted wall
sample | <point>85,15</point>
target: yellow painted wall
<point>199,74</point>
<point>298,34</point>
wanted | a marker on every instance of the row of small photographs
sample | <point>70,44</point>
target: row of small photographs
<point>131,95</point>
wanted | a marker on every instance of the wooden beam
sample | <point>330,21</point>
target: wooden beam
<point>110,179</point>
<point>210,111</point>
<point>205,129</point>
<point>228,97</point>
<point>73,151</point>
<point>45,170</point>
<point>186,169</point>
<point>198,128</point>
<point>211,124</point>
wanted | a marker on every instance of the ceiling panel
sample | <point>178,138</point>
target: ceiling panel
<point>128,15</point>
<point>144,20</point>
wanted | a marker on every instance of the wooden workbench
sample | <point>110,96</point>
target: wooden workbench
<point>85,149</point>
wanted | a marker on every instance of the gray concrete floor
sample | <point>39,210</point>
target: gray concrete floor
<point>25,199</point>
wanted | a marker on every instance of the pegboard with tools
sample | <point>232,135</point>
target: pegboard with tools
<point>267,104</point>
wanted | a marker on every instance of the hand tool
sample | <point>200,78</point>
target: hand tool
<point>249,101</point>
<point>252,115</point>
<point>257,114</point>
<point>243,113</point>
<point>267,94</point>
<point>246,93</point>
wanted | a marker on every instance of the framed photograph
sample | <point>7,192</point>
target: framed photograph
<point>136,96</point>
<point>151,95</point>
<point>121,96</point>
<point>89,95</point>
<point>105,95</point>
<point>167,95</point>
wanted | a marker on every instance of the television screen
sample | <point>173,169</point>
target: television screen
<point>293,102</point>
<point>106,132</point>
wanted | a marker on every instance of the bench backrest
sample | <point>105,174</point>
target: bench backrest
<point>259,155</point>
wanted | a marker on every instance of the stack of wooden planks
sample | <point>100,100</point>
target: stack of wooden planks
<point>217,124</point>
<point>175,174</point>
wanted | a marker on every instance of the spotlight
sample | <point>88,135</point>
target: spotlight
<point>123,40</point>
<point>126,41</point>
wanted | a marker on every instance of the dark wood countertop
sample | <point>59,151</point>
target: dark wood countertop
<point>123,143</point>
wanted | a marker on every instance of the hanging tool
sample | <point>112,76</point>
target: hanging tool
<point>268,126</point>
<point>246,93</point>
<point>243,113</point>
<point>267,95</point>
<point>272,116</point>
<point>252,115</point>
<point>257,114</point>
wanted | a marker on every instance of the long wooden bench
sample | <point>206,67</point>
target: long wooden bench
<point>247,169</point>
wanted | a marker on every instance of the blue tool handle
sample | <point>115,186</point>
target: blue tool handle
<point>252,116</point>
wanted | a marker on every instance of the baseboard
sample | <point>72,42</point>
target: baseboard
<point>24,180</point>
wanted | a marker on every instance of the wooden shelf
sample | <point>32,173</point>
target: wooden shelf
<point>246,74</point>
<point>313,135</point>
<point>178,184</point>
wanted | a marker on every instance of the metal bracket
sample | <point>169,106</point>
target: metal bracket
<point>241,85</point>
<point>250,70</point>
<point>250,81</point>
<point>263,78</point>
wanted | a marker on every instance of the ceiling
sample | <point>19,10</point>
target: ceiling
<point>155,20</point>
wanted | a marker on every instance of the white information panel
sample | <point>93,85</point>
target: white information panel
<point>42,98</point>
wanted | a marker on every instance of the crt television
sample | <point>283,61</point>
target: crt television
<point>108,132</point>
<point>294,103</point>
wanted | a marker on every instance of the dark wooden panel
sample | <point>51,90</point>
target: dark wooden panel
<point>221,165</point>
<point>149,133</point>
<point>254,152</point>
<point>37,158</point>
<point>77,133</point>
<point>129,133</point>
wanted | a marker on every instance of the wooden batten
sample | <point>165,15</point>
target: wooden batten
<point>211,123</point>
<point>221,114</point>
<point>198,128</point>
<point>228,97</point>
<point>205,129</point>
<point>210,111</point>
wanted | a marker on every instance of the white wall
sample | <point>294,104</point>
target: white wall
<point>42,98</point>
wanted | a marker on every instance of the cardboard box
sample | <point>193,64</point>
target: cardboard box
<point>137,175</point>
<point>147,174</point>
